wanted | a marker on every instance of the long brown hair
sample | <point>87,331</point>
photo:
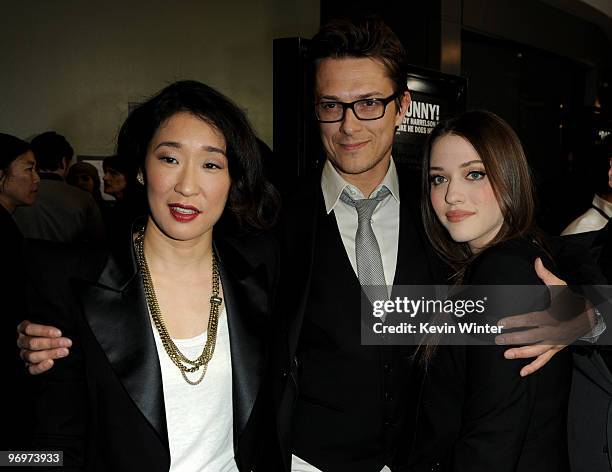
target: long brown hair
<point>508,171</point>
<point>506,165</point>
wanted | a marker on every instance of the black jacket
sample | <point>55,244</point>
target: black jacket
<point>103,405</point>
<point>477,413</point>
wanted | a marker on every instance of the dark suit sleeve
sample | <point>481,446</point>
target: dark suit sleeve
<point>60,394</point>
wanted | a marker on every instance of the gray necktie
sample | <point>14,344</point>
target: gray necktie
<point>369,261</point>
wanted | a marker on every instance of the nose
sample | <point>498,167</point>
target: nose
<point>36,177</point>
<point>186,184</point>
<point>106,177</point>
<point>454,193</point>
<point>349,123</point>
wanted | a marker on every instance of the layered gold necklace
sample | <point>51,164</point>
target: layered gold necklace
<point>184,364</point>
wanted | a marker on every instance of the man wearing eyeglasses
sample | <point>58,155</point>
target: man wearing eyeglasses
<point>344,406</point>
<point>341,405</point>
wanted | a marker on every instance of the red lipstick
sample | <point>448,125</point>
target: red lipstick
<point>183,213</point>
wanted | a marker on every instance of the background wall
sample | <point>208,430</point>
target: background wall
<point>73,66</point>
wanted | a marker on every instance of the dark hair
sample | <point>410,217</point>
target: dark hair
<point>50,148</point>
<point>504,160</point>
<point>123,166</point>
<point>252,201</point>
<point>11,148</point>
<point>506,166</point>
<point>128,168</point>
<point>367,37</point>
<point>85,168</point>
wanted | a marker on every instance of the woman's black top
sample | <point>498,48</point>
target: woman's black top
<point>477,413</point>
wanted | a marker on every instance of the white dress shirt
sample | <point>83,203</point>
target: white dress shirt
<point>385,219</point>
<point>385,223</point>
<point>590,220</point>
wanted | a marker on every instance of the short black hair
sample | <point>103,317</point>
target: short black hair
<point>11,148</point>
<point>367,37</point>
<point>50,148</point>
<point>252,201</point>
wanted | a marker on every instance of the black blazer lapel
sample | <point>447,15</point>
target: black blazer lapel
<point>116,312</point>
<point>246,293</point>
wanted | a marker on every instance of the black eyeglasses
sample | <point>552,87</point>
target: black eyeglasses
<point>366,109</point>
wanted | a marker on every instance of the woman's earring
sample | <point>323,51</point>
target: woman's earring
<point>140,178</point>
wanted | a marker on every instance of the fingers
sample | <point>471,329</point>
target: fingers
<point>539,362</point>
<point>34,329</point>
<point>39,343</point>
<point>36,357</point>
<point>527,352</point>
<point>529,336</point>
<point>44,366</point>
<point>545,275</point>
<point>526,320</point>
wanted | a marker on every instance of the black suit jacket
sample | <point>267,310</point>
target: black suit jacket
<point>12,298</point>
<point>477,413</point>
<point>416,264</point>
<point>590,411</point>
<point>104,404</point>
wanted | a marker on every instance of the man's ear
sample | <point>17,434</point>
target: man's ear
<point>404,104</point>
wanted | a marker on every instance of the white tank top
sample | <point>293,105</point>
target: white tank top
<point>200,417</point>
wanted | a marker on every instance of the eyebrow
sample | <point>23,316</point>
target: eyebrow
<point>465,164</point>
<point>359,97</point>
<point>176,145</point>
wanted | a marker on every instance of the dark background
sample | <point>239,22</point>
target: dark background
<point>542,66</point>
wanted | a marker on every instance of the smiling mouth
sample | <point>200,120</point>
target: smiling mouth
<point>456,216</point>
<point>353,146</point>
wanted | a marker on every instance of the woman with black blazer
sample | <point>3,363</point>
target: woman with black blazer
<point>477,412</point>
<point>169,333</point>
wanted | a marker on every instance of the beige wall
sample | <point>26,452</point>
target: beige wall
<point>72,67</point>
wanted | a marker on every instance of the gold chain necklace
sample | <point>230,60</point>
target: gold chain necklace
<point>184,364</point>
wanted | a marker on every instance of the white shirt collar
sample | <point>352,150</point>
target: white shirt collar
<point>332,185</point>
<point>603,205</point>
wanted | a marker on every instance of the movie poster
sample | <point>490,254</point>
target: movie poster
<point>435,97</point>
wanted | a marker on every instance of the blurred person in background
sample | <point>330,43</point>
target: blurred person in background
<point>598,215</point>
<point>18,187</point>
<point>62,213</point>
<point>85,176</point>
<point>121,181</point>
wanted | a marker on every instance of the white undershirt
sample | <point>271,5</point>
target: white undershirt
<point>200,417</point>
<point>385,223</point>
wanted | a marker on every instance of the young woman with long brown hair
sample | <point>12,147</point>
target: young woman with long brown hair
<point>477,412</point>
